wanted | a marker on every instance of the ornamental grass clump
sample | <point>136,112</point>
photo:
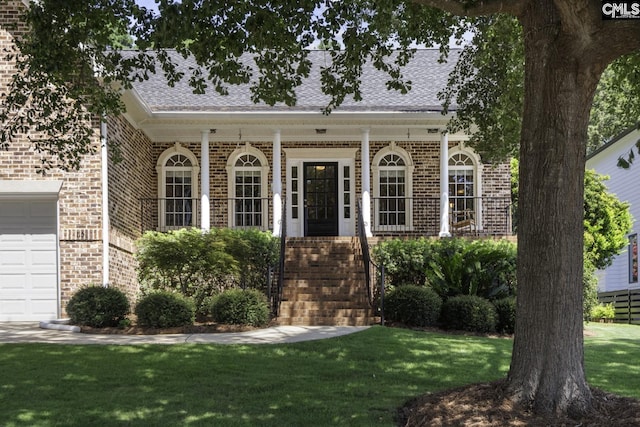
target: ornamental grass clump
<point>241,307</point>
<point>164,310</point>
<point>98,307</point>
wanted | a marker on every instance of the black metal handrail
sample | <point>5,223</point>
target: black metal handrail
<point>370,265</point>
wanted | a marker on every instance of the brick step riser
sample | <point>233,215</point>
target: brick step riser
<point>329,268</point>
<point>327,263</point>
<point>324,246</point>
<point>301,296</point>
<point>302,280</point>
<point>322,249</point>
<point>327,299</point>
<point>323,305</point>
<point>348,291</point>
<point>324,321</point>
<point>343,312</point>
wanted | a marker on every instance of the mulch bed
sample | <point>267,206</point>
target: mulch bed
<point>205,327</point>
<point>487,405</point>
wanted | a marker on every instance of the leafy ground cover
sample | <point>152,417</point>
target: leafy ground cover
<point>357,380</point>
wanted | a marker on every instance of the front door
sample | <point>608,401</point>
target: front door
<point>321,199</point>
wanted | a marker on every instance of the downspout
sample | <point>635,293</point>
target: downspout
<point>105,202</point>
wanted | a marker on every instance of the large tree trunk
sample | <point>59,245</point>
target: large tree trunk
<point>547,369</point>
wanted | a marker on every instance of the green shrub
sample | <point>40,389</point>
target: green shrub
<point>255,251</point>
<point>199,265</point>
<point>190,262</point>
<point>451,266</point>
<point>98,307</point>
<point>603,311</point>
<point>589,290</point>
<point>413,305</point>
<point>164,310</point>
<point>405,260</point>
<point>506,310</point>
<point>485,268</point>
<point>469,313</point>
<point>241,307</point>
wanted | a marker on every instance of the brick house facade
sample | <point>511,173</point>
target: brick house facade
<point>163,179</point>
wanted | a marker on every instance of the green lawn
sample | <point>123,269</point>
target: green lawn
<point>355,380</point>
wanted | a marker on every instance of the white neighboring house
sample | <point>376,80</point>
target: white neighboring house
<point>625,184</point>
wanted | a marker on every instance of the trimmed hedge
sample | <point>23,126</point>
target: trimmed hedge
<point>413,305</point>
<point>241,307</point>
<point>98,307</point>
<point>469,313</point>
<point>164,310</point>
<point>506,310</point>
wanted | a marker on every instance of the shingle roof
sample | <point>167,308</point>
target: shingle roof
<point>428,77</point>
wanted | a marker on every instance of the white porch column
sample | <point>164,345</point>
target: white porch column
<point>366,183</point>
<point>277,183</point>
<point>444,185</point>
<point>205,206</point>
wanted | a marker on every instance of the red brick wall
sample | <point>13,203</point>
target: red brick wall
<point>131,178</point>
<point>80,198</point>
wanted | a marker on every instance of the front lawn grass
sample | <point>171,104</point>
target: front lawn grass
<point>355,380</point>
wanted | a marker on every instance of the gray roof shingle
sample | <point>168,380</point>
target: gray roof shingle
<point>428,77</point>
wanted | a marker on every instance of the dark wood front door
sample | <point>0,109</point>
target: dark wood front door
<point>321,199</point>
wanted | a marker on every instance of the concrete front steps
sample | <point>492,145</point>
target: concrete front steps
<point>324,283</point>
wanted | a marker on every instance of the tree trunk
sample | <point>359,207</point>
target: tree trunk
<point>547,367</point>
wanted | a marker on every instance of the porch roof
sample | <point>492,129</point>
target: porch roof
<point>427,74</point>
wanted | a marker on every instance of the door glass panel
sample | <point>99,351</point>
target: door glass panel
<point>321,197</point>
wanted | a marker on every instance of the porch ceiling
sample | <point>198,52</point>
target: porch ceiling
<point>186,127</point>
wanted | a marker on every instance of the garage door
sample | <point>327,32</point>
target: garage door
<point>28,259</point>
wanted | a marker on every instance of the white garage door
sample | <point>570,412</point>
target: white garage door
<point>28,259</point>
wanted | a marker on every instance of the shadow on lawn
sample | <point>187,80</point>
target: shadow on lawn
<point>356,380</point>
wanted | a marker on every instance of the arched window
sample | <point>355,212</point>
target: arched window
<point>248,169</point>
<point>393,189</point>
<point>464,190</point>
<point>177,188</point>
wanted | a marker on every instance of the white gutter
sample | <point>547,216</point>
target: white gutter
<point>105,203</point>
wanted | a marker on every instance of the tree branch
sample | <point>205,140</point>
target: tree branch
<point>619,37</point>
<point>583,18</point>
<point>579,16</point>
<point>474,8</point>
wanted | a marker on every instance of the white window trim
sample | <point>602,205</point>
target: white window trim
<point>409,167</point>
<point>161,169</point>
<point>231,183</point>
<point>477,178</point>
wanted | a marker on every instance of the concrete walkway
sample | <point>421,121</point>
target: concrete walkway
<point>32,332</point>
